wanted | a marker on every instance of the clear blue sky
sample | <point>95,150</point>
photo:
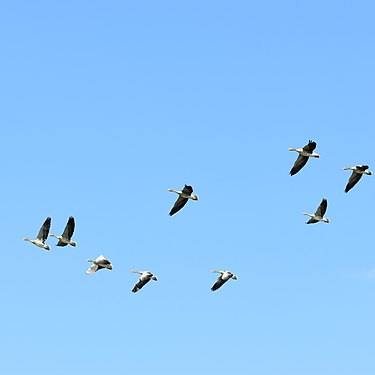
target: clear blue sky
<point>107,104</point>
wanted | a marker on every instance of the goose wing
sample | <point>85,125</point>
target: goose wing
<point>322,208</point>
<point>299,164</point>
<point>219,282</point>
<point>69,228</point>
<point>92,269</point>
<point>180,202</point>
<point>60,243</point>
<point>353,179</point>
<point>44,230</point>
<point>310,147</point>
<point>142,281</point>
<point>312,221</point>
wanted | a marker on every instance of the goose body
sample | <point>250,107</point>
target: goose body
<point>42,235</point>
<point>184,195</point>
<point>319,214</point>
<point>99,263</point>
<point>358,172</point>
<point>65,238</point>
<point>305,153</point>
<point>146,276</point>
<point>222,279</point>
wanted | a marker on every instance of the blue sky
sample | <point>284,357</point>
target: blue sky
<point>105,105</point>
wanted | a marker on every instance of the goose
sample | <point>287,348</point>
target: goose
<point>222,279</point>
<point>318,216</point>
<point>146,276</point>
<point>65,238</point>
<point>358,171</point>
<point>99,263</point>
<point>184,196</point>
<point>305,153</point>
<point>42,235</point>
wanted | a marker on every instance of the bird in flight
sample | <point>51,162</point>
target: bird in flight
<point>99,263</point>
<point>146,276</point>
<point>319,213</point>
<point>222,279</point>
<point>42,235</point>
<point>305,153</point>
<point>184,195</point>
<point>358,172</point>
<point>65,238</point>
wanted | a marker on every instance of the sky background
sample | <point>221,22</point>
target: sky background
<point>105,105</point>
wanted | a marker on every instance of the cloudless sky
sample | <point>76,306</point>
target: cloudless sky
<point>105,105</point>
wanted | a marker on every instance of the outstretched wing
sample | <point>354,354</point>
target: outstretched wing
<point>69,228</point>
<point>180,202</point>
<point>310,147</point>
<point>322,208</point>
<point>299,164</point>
<point>140,284</point>
<point>92,269</point>
<point>312,221</point>
<point>219,282</point>
<point>353,179</point>
<point>100,258</point>
<point>44,230</point>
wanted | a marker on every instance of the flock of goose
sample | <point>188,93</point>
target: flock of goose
<point>184,195</point>
<point>306,152</point>
<point>101,262</point>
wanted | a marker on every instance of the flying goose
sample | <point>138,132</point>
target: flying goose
<point>305,153</point>
<point>65,238</point>
<point>99,263</point>
<point>146,276</point>
<point>358,171</point>
<point>318,216</point>
<point>184,196</point>
<point>222,279</point>
<point>42,235</point>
